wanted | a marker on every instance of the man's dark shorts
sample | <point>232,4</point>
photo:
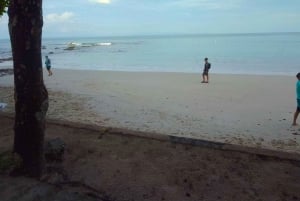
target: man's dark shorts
<point>205,73</point>
<point>48,67</point>
<point>298,105</point>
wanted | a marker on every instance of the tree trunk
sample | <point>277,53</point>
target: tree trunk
<point>31,97</point>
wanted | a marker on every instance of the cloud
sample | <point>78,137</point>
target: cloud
<point>54,17</point>
<point>101,1</point>
<point>207,4</point>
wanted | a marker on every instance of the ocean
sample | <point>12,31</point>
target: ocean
<point>265,54</point>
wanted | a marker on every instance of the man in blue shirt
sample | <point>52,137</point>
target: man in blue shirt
<point>298,100</point>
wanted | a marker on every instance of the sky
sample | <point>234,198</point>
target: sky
<point>88,18</point>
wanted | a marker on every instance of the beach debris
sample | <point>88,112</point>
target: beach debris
<point>3,105</point>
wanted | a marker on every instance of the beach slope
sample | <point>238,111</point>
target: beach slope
<point>249,110</point>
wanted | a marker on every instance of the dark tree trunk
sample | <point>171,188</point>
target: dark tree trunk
<point>31,96</point>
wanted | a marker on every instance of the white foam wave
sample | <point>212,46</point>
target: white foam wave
<point>76,45</point>
<point>104,44</point>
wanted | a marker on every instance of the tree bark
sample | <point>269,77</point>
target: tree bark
<point>31,97</point>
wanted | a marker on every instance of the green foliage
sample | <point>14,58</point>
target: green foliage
<point>3,6</point>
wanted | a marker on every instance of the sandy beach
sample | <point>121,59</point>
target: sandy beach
<point>130,162</point>
<point>248,110</point>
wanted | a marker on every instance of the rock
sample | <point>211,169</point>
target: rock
<point>54,149</point>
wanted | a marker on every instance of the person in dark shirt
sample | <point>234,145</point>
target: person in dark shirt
<point>205,71</point>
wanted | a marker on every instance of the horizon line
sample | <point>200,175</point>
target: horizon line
<point>170,34</point>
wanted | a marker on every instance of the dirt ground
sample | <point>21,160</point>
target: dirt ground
<point>99,165</point>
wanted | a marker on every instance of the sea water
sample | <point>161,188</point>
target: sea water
<point>267,54</point>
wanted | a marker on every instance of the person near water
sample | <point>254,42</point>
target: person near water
<point>298,100</point>
<point>206,68</point>
<point>48,65</point>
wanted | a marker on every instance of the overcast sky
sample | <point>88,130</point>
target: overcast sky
<point>64,18</point>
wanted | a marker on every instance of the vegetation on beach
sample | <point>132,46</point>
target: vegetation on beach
<point>3,6</point>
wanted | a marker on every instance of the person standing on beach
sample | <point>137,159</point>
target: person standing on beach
<point>205,71</point>
<point>48,65</point>
<point>298,100</point>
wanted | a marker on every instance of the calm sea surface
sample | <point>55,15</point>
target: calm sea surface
<point>228,53</point>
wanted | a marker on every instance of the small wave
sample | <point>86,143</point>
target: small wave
<point>75,45</point>
<point>104,44</point>
<point>5,59</point>
<point>95,44</point>
<point>5,54</point>
<point>72,46</point>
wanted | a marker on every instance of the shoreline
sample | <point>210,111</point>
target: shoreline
<point>7,67</point>
<point>188,73</point>
<point>248,110</point>
<point>181,72</point>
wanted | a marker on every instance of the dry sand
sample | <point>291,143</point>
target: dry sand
<point>248,110</point>
<point>130,168</point>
